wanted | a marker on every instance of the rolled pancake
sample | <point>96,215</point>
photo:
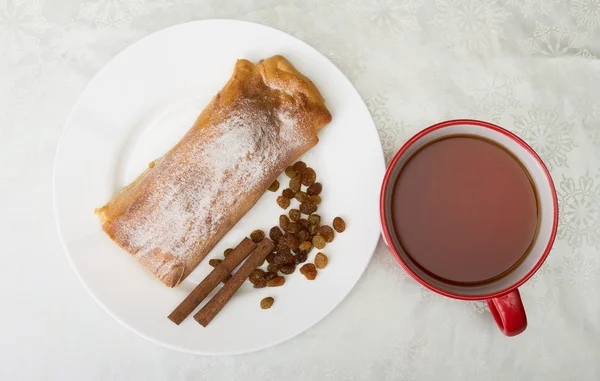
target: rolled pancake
<point>266,116</point>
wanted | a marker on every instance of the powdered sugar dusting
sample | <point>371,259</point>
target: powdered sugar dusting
<point>195,185</point>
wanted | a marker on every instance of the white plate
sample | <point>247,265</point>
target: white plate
<point>135,109</point>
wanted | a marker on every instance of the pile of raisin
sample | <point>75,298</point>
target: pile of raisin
<point>296,234</point>
<point>309,199</point>
<point>301,175</point>
<point>301,230</point>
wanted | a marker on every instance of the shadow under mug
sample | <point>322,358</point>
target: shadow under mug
<point>502,295</point>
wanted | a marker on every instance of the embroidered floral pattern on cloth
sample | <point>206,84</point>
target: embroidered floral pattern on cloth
<point>528,65</point>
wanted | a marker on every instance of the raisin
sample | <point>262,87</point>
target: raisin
<point>319,242</point>
<point>292,241</point>
<point>287,258</point>
<point>256,275</point>
<point>275,233</point>
<point>293,228</point>
<point>288,193</point>
<point>294,214</point>
<point>327,233</point>
<point>229,276</point>
<point>261,283</point>
<point>305,246</point>
<point>257,236</point>
<point>309,271</point>
<point>316,199</point>
<point>284,221</point>
<point>302,236</point>
<point>270,275</point>
<point>266,303</point>
<point>288,268</point>
<point>299,167</point>
<point>308,207</point>
<point>282,247</point>
<point>313,230</point>
<point>215,262</point>
<point>276,282</point>
<point>321,260</point>
<point>339,225</point>
<point>315,189</point>
<point>308,177</point>
<point>227,252</point>
<point>282,241</point>
<point>272,268</point>
<point>314,219</point>
<point>283,258</point>
<point>283,202</point>
<point>275,186</point>
<point>303,222</point>
<point>295,185</point>
<point>270,258</point>
<point>301,257</point>
<point>289,172</point>
<point>302,196</point>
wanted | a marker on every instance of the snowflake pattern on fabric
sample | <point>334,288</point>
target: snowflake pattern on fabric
<point>527,65</point>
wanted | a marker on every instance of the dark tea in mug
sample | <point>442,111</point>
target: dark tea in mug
<point>465,210</point>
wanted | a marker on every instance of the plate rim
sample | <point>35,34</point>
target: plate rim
<point>55,196</point>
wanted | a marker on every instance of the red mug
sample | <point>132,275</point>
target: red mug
<point>502,295</point>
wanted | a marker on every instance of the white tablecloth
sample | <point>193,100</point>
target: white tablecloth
<point>528,65</point>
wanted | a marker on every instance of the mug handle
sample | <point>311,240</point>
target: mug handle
<point>509,313</point>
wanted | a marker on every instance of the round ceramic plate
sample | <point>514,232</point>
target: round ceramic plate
<point>135,109</point>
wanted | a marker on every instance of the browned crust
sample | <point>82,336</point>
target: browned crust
<point>275,83</point>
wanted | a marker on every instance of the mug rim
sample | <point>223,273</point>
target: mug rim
<point>386,228</point>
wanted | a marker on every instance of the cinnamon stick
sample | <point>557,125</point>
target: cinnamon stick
<point>219,273</point>
<point>212,308</point>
